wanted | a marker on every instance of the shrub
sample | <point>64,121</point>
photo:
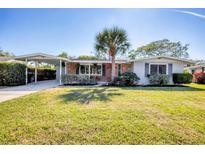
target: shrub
<point>181,78</point>
<point>12,74</point>
<point>130,78</point>
<point>199,77</point>
<point>159,79</point>
<point>126,79</point>
<point>78,79</point>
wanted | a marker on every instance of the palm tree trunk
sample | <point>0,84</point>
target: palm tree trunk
<point>113,68</point>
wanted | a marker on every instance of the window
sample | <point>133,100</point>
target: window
<point>158,69</point>
<point>94,69</point>
<point>162,69</point>
<point>84,69</point>
<point>153,69</point>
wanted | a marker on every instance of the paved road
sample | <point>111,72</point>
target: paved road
<point>17,91</point>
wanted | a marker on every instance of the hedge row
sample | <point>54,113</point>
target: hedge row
<point>12,74</point>
<point>181,78</point>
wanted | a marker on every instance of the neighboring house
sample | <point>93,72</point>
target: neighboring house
<point>6,59</point>
<point>196,69</point>
<point>101,69</point>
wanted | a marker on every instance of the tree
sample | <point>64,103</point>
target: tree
<point>87,57</point>
<point>112,42</point>
<point>63,55</point>
<point>6,54</point>
<point>161,48</point>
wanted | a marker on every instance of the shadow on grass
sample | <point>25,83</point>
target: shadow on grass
<point>87,95</point>
<point>152,88</point>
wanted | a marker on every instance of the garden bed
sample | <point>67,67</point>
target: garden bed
<point>79,84</point>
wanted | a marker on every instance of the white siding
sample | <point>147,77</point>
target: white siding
<point>139,68</point>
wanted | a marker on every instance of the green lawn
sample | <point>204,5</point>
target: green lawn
<point>111,116</point>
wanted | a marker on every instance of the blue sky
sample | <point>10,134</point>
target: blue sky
<point>52,31</point>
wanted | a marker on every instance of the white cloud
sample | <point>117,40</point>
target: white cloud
<point>191,13</point>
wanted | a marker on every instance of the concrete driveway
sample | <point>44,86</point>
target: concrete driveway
<point>17,91</point>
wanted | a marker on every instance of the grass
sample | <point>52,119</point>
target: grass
<point>146,115</point>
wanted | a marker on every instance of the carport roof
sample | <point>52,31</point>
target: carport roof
<point>41,57</point>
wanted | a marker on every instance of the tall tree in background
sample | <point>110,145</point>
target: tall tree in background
<point>6,54</point>
<point>85,57</point>
<point>63,55</point>
<point>112,42</point>
<point>161,48</point>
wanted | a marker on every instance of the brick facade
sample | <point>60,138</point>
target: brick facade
<point>71,69</point>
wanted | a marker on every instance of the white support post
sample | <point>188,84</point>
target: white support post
<point>89,71</point>
<point>60,72</point>
<point>65,67</point>
<point>26,62</point>
<point>36,72</point>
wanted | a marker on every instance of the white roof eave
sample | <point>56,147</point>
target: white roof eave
<point>166,57</point>
<point>39,56</point>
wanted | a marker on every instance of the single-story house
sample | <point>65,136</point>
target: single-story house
<point>101,69</point>
<point>196,69</point>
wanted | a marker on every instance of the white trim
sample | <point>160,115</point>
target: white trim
<point>158,67</point>
<point>26,63</point>
<point>60,72</point>
<point>39,56</point>
<point>65,68</point>
<point>165,57</point>
<point>36,71</point>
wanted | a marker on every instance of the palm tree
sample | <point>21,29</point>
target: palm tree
<point>112,42</point>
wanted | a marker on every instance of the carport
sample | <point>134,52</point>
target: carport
<point>59,62</point>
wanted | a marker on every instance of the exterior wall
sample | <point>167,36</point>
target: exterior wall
<point>71,69</point>
<point>128,67</point>
<point>139,68</point>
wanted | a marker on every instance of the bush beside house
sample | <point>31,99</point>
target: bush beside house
<point>126,79</point>
<point>182,78</point>
<point>160,79</point>
<point>74,79</point>
<point>12,74</point>
<point>199,78</point>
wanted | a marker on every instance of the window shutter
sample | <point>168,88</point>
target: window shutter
<point>103,70</point>
<point>146,69</point>
<point>170,69</point>
<point>77,70</point>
